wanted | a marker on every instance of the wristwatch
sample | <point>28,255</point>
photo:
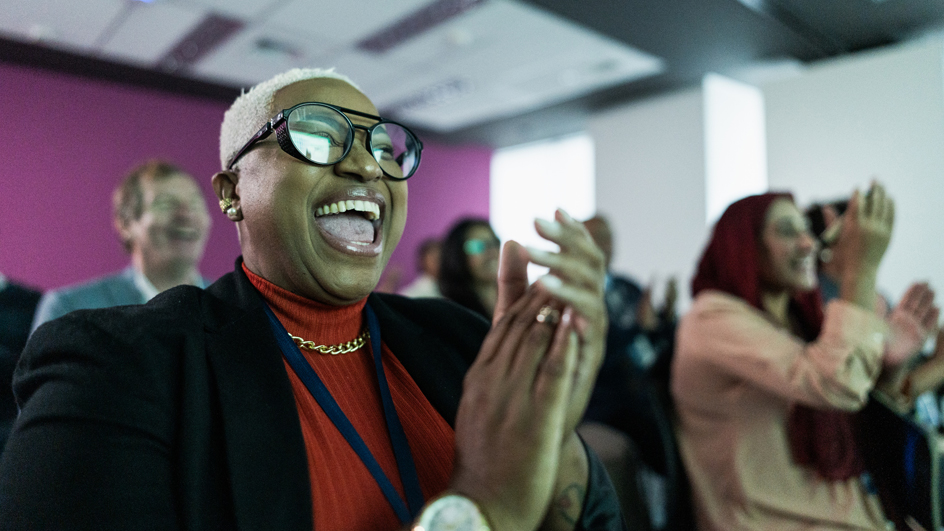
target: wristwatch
<point>451,512</point>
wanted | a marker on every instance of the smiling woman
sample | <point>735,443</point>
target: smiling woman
<point>767,384</point>
<point>287,395</point>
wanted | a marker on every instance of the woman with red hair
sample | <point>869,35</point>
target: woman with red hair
<point>766,382</point>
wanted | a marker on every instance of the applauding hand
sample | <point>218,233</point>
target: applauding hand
<point>511,418</point>
<point>911,324</point>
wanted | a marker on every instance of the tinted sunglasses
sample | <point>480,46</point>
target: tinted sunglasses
<point>475,246</point>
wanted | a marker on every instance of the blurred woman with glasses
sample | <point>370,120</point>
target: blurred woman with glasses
<point>468,271</point>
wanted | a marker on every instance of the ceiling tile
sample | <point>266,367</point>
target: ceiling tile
<point>151,30</point>
<point>257,54</point>
<point>373,73</point>
<point>502,59</point>
<point>342,23</point>
<point>60,23</point>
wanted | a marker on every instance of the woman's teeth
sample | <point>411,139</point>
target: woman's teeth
<point>805,262</point>
<point>371,210</point>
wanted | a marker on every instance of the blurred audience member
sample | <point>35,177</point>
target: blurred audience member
<point>766,383</point>
<point>17,305</point>
<point>468,272</point>
<point>627,395</point>
<point>637,334</point>
<point>427,283</point>
<point>822,217</point>
<point>638,330</point>
<point>161,217</point>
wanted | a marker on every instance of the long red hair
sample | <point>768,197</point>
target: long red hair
<point>820,439</point>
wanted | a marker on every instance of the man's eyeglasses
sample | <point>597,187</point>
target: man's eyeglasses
<point>322,134</point>
<point>475,246</point>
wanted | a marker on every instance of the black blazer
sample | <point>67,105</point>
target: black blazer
<point>179,414</point>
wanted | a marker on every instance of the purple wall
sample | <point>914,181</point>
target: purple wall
<point>70,140</point>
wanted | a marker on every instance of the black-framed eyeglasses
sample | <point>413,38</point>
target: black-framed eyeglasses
<point>322,134</point>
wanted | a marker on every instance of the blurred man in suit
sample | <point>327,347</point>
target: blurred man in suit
<point>161,217</point>
<point>17,304</point>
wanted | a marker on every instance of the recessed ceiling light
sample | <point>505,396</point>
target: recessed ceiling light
<point>270,46</point>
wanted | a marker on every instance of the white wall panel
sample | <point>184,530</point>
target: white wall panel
<point>875,115</point>
<point>650,182</point>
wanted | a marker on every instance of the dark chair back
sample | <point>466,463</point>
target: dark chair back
<point>904,459</point>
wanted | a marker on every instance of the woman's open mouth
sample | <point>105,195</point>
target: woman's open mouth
<point>352,226</point>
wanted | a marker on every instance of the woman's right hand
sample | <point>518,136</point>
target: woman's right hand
<point>511,419</point>
<point>866,231</point>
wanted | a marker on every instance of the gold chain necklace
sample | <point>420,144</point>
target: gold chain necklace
<point>334,350</point>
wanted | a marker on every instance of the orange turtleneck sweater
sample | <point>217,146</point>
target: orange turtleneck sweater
<point>343,493</point>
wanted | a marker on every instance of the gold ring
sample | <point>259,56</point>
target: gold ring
<point>548,315</point>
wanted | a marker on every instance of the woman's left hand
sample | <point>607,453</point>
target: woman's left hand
<point>577,281</point>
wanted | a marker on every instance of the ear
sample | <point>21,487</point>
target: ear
<point>124,232</point>
<point>224,184</point>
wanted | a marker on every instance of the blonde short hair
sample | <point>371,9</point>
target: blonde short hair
<point>253,109</point>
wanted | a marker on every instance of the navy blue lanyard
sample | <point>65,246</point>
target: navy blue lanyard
<point>401,448</point>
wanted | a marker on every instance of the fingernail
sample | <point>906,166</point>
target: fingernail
<point>536,253</point>
<point>550,282</point>
<point>564,214</point>
<point>550,227</point>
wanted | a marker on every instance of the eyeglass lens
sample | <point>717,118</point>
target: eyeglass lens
<point>322,135</point>
<point>475,246</point>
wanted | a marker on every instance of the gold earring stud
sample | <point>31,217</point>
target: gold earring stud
<point>226,205</point>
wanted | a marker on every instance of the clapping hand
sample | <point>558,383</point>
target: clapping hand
<point>576,283</point>
<point>512,415</point>
<point>866,229</point>
<point>911,323</point>
<point>864,236</point>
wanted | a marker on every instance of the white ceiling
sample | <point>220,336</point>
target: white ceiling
<point>498,73</point>
<point>496,59</point>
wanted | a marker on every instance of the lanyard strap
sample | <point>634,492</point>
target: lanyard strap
<point>401,448</point>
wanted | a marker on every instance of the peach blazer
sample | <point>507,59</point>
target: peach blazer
<point>735,377</point>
